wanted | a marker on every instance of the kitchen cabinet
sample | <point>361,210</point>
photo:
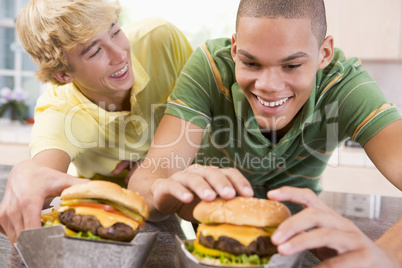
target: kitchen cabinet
<point>368,29</point>
<point>351,171</point>
<point>360,180</point>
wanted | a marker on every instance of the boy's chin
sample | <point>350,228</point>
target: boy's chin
<point>272,127</point>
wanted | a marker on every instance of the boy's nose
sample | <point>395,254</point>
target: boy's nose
<point>269,79</point>
<point>117,55</point>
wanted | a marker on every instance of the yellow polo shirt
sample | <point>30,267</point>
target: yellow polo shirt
<point>96,139</point>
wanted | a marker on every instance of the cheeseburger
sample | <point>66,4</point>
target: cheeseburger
<point>100,209</point>
<point>237,231</point>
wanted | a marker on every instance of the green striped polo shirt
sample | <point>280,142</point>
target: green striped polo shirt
<point>345,102</point>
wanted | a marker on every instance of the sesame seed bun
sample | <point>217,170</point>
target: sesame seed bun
<point>242,211</point>
<point>108,191</point>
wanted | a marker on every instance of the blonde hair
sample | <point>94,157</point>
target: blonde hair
<point>49,28</point>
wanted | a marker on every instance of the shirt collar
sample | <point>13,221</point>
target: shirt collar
<point>141,78</point>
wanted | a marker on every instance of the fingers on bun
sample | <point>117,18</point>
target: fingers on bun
<point>237,231</point>
<point>103,209</point>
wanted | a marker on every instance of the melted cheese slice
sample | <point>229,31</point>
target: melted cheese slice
<point>105,218</point>
<point>244,234</point>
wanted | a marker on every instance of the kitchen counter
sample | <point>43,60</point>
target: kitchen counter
<point>373,214</point>
<point>14,141</point>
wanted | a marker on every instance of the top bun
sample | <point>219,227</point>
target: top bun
<point>109,191</point>
<point>242,211</point>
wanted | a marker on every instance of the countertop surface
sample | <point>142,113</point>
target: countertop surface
<point>373,214</point>
<point>14,132</point>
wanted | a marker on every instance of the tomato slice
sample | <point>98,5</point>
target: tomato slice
<point>105,207</point>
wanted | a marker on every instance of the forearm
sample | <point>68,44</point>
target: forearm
<point>159,178</point>
<point>54,159</point>
<point>141,181</point>
<point>391,242</point>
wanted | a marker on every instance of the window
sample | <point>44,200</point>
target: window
<point>198,20</point>
<point>16,67</point>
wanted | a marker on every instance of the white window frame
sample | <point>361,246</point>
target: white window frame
<point>17,73</point>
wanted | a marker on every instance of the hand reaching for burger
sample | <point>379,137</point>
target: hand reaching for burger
<point>27,188</point>
<point>334,239</point>
<point>183,190</point>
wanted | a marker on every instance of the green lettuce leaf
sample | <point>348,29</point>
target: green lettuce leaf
<point>240,259</point>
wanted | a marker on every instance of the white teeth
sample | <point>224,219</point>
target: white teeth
<point>273,103</point>
<point>122,71</point>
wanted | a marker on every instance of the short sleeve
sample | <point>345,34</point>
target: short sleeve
<point>68,132</point>
<point>191,97</point>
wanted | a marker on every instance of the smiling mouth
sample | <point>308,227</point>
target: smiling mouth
<point>272,103</point>
<point>121,72</point>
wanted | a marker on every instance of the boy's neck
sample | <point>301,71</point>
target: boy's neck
<point>116,103</point>
<point>123,104</point>
<point>272,136</point>
<point>277,134</point>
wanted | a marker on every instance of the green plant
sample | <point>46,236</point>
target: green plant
<point>12,102</point>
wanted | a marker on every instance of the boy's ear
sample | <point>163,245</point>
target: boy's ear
<point>326,52</point>
<point>63,77</point>
<point>233,49</point>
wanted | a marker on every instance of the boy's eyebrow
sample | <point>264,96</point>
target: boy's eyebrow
<point>246,54</point>
<point>296,55</point>
<point>88,48</point>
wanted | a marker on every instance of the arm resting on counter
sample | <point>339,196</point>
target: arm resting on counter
<point>385,150</point>
<point>391,242</point>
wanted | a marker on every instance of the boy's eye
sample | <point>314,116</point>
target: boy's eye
<point>293,66</point>
<point>249,64</point>
<point>116,33</point>
<point>93,55</point>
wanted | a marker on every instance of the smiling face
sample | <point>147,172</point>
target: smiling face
<point>101,68</point>
<point>276,63</point>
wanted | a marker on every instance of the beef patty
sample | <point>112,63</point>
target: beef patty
<point>262,246</point>
<point>83,223</point>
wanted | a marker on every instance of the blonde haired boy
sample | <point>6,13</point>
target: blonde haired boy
<point>107,87</point>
